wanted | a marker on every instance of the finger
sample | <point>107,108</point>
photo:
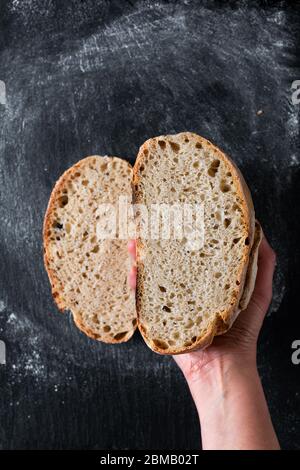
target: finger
<point>132,278</point>
<point>132,248</point>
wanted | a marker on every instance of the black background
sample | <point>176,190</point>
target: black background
<point>100,77</point>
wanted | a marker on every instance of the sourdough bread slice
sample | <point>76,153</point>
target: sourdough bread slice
<point>89,276</point>
<point>185,297</point>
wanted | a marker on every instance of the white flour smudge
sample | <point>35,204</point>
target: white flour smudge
<point>294,160</point>
<point>29,361</point>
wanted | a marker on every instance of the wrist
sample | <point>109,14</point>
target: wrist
<point>232,409</point>
<point>204,368</point>
<point>215,378</point>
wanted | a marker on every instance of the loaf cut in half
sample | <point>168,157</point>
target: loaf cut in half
<point>186,296</point>
<point>88,275</point>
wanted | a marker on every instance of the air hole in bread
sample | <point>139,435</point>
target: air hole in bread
<point>212,172</point>
<point>134,322</point>
<point>189,324</point>
<point>224,187</point>
<point>227,222</point>
<point>227,286</point>
<point>236,240</point>
<point>146,151</point>
<point>160,344</point>
<point>247,241</point>
<point>162,289</point>
<point>121,335</point>
<point>198,145</point>
<point>218,215</point>
<point>194,339</point>
<point>237,283</point>
<point>213,168</point>
<point>215,164</point>
<point>95,249</point>
<point>196,164</point>
<point>103,166</point>
<point>57,224</point>
<point>162,144</point>
<point>68,227</point>
<point>142,168</point>
<point>176,335</point>
<point>166,308</point>
<point>175,147</point>
<point>106,328</point>
<point>187,344</point>
<point>218,275</point>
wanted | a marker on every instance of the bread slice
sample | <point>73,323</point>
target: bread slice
<point>185,297</point>
<point>89,275</point>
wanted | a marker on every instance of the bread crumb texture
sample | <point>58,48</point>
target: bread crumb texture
<point>185,297</point>
<point>90,276</point>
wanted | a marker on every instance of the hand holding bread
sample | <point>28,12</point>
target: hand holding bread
<point>184,296</point>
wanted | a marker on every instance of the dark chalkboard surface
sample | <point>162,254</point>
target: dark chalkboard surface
<point>100,77</point>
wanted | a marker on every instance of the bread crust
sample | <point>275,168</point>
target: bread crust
<point>252,268</point>
<point>224,319</point>
<point>81,326</point>
<point>56,287</point>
